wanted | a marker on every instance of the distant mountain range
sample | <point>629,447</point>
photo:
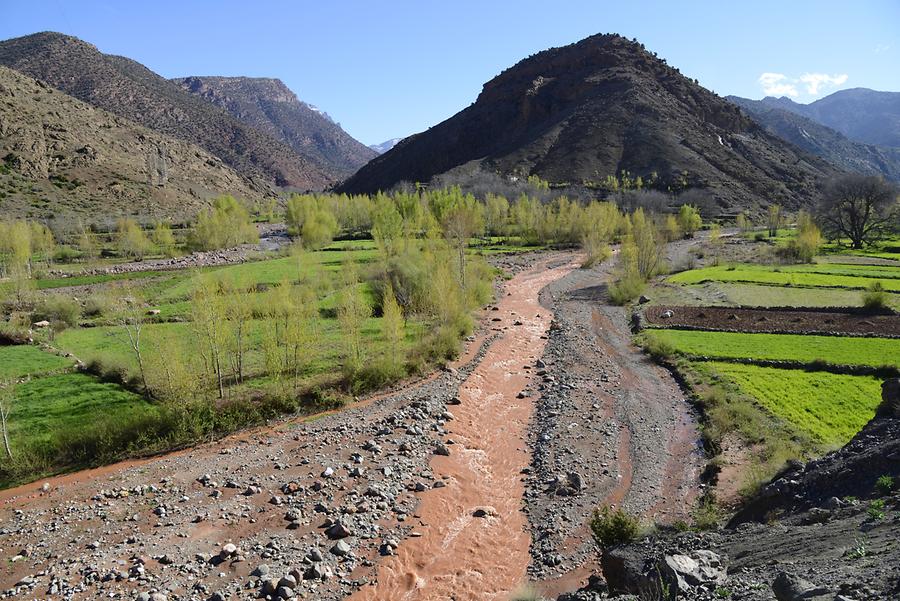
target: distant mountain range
<point>62,159</point>
<point>385,146</point>
<point>604,105</point>
<point>267,105</point>
<point>863,115</point>
<point>786,119</point>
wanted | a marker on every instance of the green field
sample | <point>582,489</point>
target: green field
<point>782,347</point>
<point>800,276</point>
<point>828,407</point>
<point>26,360</point>
<point>49,405</point>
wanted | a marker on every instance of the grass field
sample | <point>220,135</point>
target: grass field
<point>24,360</point>
<point>799,276</point>
<point>782,347</point>
<point>828,407</point>
<point>46,406</point>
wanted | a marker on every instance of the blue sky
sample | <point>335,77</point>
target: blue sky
<point>387,69</point>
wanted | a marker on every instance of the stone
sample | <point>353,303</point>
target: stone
<point>341,548</point>
<point>788,587</point>
<point>228,550</point>
<point>336,531</point>
<point>687,571</point>
<point>441,449</point>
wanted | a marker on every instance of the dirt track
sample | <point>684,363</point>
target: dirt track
<point>360,500</point>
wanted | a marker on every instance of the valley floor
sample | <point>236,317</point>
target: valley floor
<point>416,494</point>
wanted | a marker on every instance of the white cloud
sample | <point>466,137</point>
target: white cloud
<point>879,48</point>
<point>777,84</point>
<point>814,81</point>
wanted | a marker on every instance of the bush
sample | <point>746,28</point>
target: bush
<point>66,254</point>
<point>626,289</point>
<point>60,309</point>
<point>611,526</point>
<point>97,306</point>
<point>884,485</point>
<point>658,348</point>
<point>875,297</point>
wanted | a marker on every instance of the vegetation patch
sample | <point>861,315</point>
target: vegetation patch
<point>25,360</point>
<point>781,347</point>
<point>827,407</point>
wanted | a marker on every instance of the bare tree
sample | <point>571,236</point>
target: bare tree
<point>7,394</point>
<point>862,208</point>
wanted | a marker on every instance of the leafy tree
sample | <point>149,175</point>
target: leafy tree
<point>689,220</point>
<point>392,326</point>
<point>164,239</point>
<point>743,223</point>
<point>862,208</point>
<point>648,245</point>
<point>309,218</point>
<point>86,243</point>
<point>223,225</point>
<point>131,239</point>
<point>387,227</point>
<point>129,316</point>
<point>7,400</point>
<point>208,321</point>
<point>774,220</point>
<point>352,311</point>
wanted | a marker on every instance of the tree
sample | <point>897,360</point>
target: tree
<point>689,220</point>
<point>164,239</point>
<point>85,242</point>
<point>129,316</point>
<point>387,227</point>
<point>743,223</point>
<point>223,225</point>
<point>862,208</point>
<point>352,311</point>
<point>208,322</point>
<point>132,241</point>
<point>808,241</point>
<point>773,220</point>
<point>648,246</point>
<point>392,325</point>
<point>7,396</point>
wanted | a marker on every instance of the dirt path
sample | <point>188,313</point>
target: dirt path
<point>474,537</point>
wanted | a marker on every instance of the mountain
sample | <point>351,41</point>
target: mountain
<point>267,105</point>
<point>821,140</point>
<point>127,88</point>
<point>863,115</point>
<point>385,146</point>
<point>62,158</point>
<point>580,113</point>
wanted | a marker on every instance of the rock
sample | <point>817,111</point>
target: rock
<point>788,587</point>
<point>484,512</point>
<point>625,570</point>
<point>228,550</point>
<point>667,314</point>
<point>441,449</point>
<point>284,592</point>
<point>684,572</point>
<point>340,548</point>
<point>643,300</point>
<point>336,531</point>
<point>890,398</point>
<point>41,324</point>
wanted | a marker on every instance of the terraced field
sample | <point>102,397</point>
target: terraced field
<point>782,347</point>
<point>830,408</point>
<point>800,276</point>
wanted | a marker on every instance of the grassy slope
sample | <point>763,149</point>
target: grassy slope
<point>21,361</point>
<point>783,347</point>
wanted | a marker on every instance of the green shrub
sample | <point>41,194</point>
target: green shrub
<point>874,297</point>
<point>626,289</point>
<point>613,526</point>
<point>66,254</point>
<point>884,485</point>
<point>658,348</point>
<point>876,509</point>
<point>98,305</point>
<point>706,515</point>
<point>58,308</point>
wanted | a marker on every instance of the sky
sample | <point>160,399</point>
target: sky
<point>390,68</point>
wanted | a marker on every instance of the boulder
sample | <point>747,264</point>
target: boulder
<point>683,572</point>
<point>788,587</point>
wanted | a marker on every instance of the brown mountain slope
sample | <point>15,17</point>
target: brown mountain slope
<point>582,112</point>
<point>61,158</point>
<point>271,107</point>
<point>127,88</point>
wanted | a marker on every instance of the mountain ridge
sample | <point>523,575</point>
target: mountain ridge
<point>269,106</point>
<point>588,110</point>
<point>127,88</point>
<point>61,157</point>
